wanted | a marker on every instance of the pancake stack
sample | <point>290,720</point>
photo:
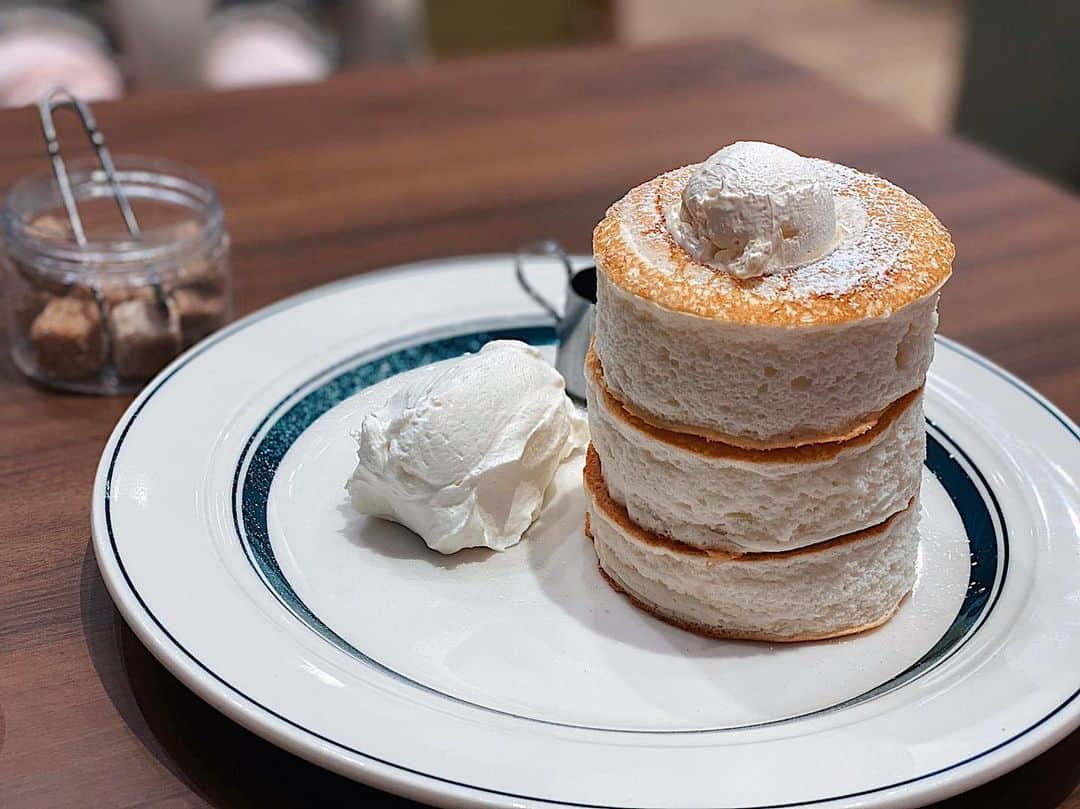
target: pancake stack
<point>757,443</point>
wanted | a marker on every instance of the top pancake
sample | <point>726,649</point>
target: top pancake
<point>893,252</point>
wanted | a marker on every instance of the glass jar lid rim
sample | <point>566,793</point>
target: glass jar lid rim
<point>184,186</point>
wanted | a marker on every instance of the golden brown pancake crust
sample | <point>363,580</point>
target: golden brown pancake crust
<point>635,250</point>
<point>716,445</point>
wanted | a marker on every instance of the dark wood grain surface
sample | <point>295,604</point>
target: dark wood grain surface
<point>384,167</point>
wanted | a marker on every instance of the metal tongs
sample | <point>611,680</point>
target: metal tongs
<point>61,98</point>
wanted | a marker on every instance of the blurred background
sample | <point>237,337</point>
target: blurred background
<point>1000,72</point>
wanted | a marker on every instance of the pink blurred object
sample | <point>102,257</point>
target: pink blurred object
<point>253,49</point>
<point>37,55</point>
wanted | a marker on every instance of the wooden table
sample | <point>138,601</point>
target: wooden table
<point>389,166</point>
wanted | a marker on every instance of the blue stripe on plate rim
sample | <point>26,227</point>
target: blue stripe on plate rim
<point>413,270</point>
<point>270,441</point>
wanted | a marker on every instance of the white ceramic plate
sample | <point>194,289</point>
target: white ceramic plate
<point>224,534</point>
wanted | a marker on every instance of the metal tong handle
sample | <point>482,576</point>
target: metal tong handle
<point>544,247</point>
<point>62,98</point>
<point>58,98</point>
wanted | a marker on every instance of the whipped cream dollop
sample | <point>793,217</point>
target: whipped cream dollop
<point>464,455</point>
<point>753,208</point>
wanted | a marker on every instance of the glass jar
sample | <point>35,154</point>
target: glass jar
<point>107,315</point>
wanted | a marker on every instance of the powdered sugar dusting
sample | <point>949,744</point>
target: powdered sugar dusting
<point>863,257</point>
<point>892,251</point>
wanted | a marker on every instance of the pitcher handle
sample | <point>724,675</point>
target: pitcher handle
<point>544,247</point>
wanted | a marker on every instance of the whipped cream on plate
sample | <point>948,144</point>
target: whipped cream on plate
<point>464,453</point>
<point>753,209</point>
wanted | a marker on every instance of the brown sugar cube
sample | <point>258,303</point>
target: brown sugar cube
<point>114,292</point>
<point>109,292</point>
<point>204,274</point>
<point>68,339</point>
<point>205,271</point>
<point>144,337</point>
<point>185,229</point>
<point>53,226</point>
<point>199,313</point>
<point>27,306</point>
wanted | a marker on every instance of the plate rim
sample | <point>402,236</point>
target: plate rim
<point>403,780</point>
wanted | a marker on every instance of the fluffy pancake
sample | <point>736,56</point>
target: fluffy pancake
<point>713,495</point>
<point>838,587</point>
<point>815,353</point>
